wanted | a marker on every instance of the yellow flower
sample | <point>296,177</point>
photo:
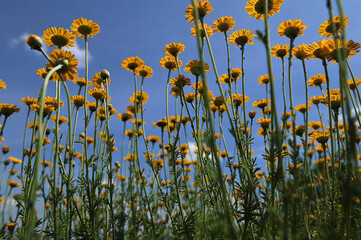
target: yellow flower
<point>315,125</point>
<point>180,81</point>
<point>28,101</point>
<point>190,97</point>
<point>264,79</point>
<point>347,49</point>
<point>252,114</point>
<point>131,63</point>
<point>84,28</point>
<point>204,7</point>
<point>98,81</point>
<point>144,71</point>
<point>169,62</point>
<point>352,84</point>
<point>236,73</point>
<point>34,42</point>
<point>141,98</point>
<point>98,94</point>
<point>335,100</point>
<point>81,82</point>
<point>317,80</point>
<point>255,8</point>
<point>261,103</point>
<point>59,37</point>
<point>341,22</point>
<point>241,37</point>
<point>13,184</point>
<point>46,163</point>
<point>300,52</point>
<point>153,139</point>
<point>291,28</point>
<point>225,79</point>
<point>280,51</point>
<point>217,101</point>
<point>53,102</point>
<point>320,136</point>
<point>238,99</point>
<point>42,72</point>
<point>62,119</point>
<point>264,122</point>
<point>78,100</point>
<point>2,84</point>
<point>8,109</point>
<point>174,48</point>
<point>15,160</point>
<point>302,108</point>
<point>124,117</point>
<point>209,30</point>
<point>223,24</point>
<point>70,64</point>
<point>319,49</point>
<point>195,67</point>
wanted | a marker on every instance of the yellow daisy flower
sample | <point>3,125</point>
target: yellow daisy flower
<point>97,93</point>
<point>317,80</point>
<point>320,136</point>
<point>223,24</point>
<point>174,48</point>
<point>81,82</point>
<point>195,67</point>
<point>180,81</point>
<point>264,79</point>
<point>209,30</point>
<point>168,62</point>
<point>241,37</point>
<point>98,81</point>
<point>144,71</point>
<point>28,101</point>
<point>131,63</point>
<point>2,84</point>
<point>264,122</point>
<point>341,22</point>
<point>316,100</point>
<point>70,64</point>
<point>84,28</point>
<point>78,100</point>
<point>319,49</point>
<point>204,7</point>
<point>255,8</point>
<point>347,48</point>
<point>300,52</point>
<point>59,37</point>
<point>280,51</point>
<point>140,97</point>
<point>8,109</point>
<point>291,28</point>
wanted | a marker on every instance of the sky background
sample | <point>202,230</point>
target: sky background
<point>143,28</point>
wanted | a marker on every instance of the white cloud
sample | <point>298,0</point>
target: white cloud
<point>80,55</point>
<point>15,41</point>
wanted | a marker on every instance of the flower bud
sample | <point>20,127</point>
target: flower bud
<point>34,42</point>
<point>104,74</point>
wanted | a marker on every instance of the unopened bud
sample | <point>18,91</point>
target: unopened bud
<point>82,135</point>
<point>104,74</point>
<point>34,42</point>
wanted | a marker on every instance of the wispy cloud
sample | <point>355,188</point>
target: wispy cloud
<point>15,41</point>
<point>80,55</point>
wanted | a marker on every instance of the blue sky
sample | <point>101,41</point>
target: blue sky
<point>143,28</point>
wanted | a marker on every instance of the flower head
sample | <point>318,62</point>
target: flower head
<point>84,28</point>
<point>81,82</point>
<point>209,30</point>
<point>264,122</point>
<point>67,59</point>
<point>223,24</point>
<point>141,97</point>
<point>124,116</point>
<point>264,79</point>
<point>316,100</point>
<point>320,136</point>
<point>8,109</point>
<point>98,81</point>
<point>195,67</point>
<point>300,52</point>
<point>203,6</point>
<point>291,28</point>
<point>144,71</point>
<point>302,108</point>
<point>261,103</point>
<point>59,37</point>
<point>53,102</point>
<point>242,37</point>
<point>317,80</point>
<point>28,101</point>
<point>169,62</point>
<point>280,51</point>
<point>2,84</point>
<point>174,48</point>
<point>238,99</point>
<point>347,49</point>
<point>255,8</point>
<point>78,100</point>
<point>180,81</point>
<point>341,22</point>
<point>34,42</point>
<point>131,63</point>
<point>98,94</point>
<point>318,49</point>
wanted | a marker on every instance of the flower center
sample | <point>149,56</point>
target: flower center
<point>170,65</point>
<point>59,40</point>
<point>292,32</point>
<point>329,27</point>
<point>133,66</point>
<point>85,30</point>
<point>281,53</point>
<point>259,6</point>
<point>223,27</point>
<point>242,40</point>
